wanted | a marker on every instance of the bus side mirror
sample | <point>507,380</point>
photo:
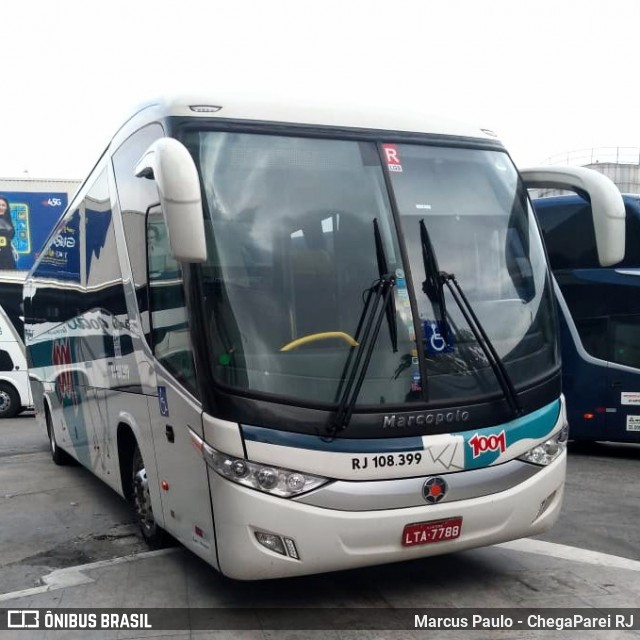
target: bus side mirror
<point>607,205</point>
<point>168,162</point>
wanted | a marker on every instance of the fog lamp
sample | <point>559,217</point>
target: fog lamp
<point>271,542</point>
<point>544,505</point>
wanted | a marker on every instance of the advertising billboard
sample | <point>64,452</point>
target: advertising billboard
<point>62,260</point>
<point>33,215</point>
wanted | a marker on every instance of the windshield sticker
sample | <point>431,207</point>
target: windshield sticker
<point>404,304</point>
<point>410,329</point>
<point>162,401</point>
<point>434,340</point>
<point>392,157</point>
<point>416,382</point>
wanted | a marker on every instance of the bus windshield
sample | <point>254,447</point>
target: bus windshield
<point>483,232</point>
<point>292,258</point>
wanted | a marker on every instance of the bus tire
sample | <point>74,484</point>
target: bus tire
<point>9,401</point>
<point>153,534</point>
<point>58,456</point>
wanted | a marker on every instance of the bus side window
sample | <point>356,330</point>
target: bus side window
<point>625,343</point>
<point>6,363</point>
<point>135,197</point>
<point>568,235</point>
<point>170,337</point>
<point>632,225</point>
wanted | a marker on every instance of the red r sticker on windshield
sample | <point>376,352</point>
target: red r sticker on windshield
<point>392,156</point>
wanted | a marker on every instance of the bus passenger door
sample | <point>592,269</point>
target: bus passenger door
<point>182,471</point>
<point>583,336</point>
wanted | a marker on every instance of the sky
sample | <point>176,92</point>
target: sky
<point>549,76</point>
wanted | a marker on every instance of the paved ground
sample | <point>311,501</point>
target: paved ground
<point>527,573</point>
<point>54,518</point>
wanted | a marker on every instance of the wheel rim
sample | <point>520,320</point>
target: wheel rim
<point>5,401</point>
<point>142,499</point>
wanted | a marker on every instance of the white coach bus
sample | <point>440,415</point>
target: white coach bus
<point>302,341</point>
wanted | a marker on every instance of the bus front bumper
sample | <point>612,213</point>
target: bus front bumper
<point>331,540</point>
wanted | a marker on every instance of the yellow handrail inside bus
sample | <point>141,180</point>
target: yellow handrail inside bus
<point>313,337</point>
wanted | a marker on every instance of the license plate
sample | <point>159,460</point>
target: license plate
<point>434,531</point>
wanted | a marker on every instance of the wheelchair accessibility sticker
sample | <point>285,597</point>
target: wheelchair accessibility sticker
<point>434,340</point>
<point>162,400</point>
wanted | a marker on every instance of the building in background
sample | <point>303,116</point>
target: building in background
<point>620,164</point>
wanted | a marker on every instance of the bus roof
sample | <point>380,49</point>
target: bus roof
<point>318,114</point>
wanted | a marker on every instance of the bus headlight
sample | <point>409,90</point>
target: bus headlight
<point>276,481</point>
<point>546,452</point>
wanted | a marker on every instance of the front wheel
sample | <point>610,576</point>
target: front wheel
<point>153,534</point>
<point>9,401</point>
<point>59,456</point>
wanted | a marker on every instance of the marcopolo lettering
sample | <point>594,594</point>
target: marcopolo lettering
<point>393,421</point>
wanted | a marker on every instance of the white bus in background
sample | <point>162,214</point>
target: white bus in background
<point>15,391</point>
<point>302,340</point>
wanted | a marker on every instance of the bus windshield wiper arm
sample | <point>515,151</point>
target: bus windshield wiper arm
<point>383,272</point>
<point>433,286</point>
<point>379,303</point>
<point>484,341</point>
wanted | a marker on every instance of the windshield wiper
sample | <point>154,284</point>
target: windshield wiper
<point>383,272</point>
<point>433,286</point>
<point>433,283</point>
<point>379,303</point>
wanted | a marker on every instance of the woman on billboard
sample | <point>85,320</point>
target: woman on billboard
<point>7,231</point>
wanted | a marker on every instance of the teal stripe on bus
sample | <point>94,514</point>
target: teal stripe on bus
<point>534,426</point>
<point>343,445</point>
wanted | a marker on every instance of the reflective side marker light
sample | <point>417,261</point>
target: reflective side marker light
<point>588,416</point>
<point>164,485</point>
<point>291,548</point>
<point>196,442</point>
